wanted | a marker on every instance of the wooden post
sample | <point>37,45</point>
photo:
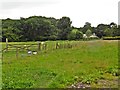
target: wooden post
<point>39,46</point>
<point>2,57</point>
<point>16,52</point>
<point>44,46</point>
<point>6,44</point>
<point>56,45</point>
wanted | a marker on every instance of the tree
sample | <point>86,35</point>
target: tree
<point>114,29</point>
<point>75,34</point>
<point>38,28</point>
<point>86,27</point>
<point>10,30</point>
<point>64,27</point>
<point>99,31</point>
<point>79,35</point>
<point>108,32</point>
<point>88,33</point>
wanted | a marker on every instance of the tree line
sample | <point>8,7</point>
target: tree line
<point>40,28</point>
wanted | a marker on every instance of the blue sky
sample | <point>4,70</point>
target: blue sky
<point>79,11</point>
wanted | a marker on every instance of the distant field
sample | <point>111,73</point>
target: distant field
<point>92,63</point>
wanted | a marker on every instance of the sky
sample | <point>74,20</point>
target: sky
<point>79,11</point>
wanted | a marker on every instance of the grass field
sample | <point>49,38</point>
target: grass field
<point>93,63</point>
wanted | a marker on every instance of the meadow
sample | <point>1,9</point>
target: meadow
<point>92,63</point>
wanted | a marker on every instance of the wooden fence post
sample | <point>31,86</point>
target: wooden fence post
<point>6,44</point>
<point>39,46</point>
<point>16,52</point>
<point>56,45</point>
<point>45,46</point>
<point>2,56</point>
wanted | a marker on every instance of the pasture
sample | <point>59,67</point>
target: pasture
<point>92,63</point>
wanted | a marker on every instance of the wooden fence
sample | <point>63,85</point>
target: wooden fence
<point>37,47</point>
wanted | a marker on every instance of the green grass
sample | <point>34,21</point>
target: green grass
<point>87,62</point>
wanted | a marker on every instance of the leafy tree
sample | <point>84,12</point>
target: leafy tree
<point>9,30</point>
<point>79,35</point>
<point>114,29</point>
<point>86,27</point>
<point>108,32</point>
<point>75,34</point>
<point>99,31</point>
<point>88,33</point>
<point>36,28</point>
<point>64,27</point>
